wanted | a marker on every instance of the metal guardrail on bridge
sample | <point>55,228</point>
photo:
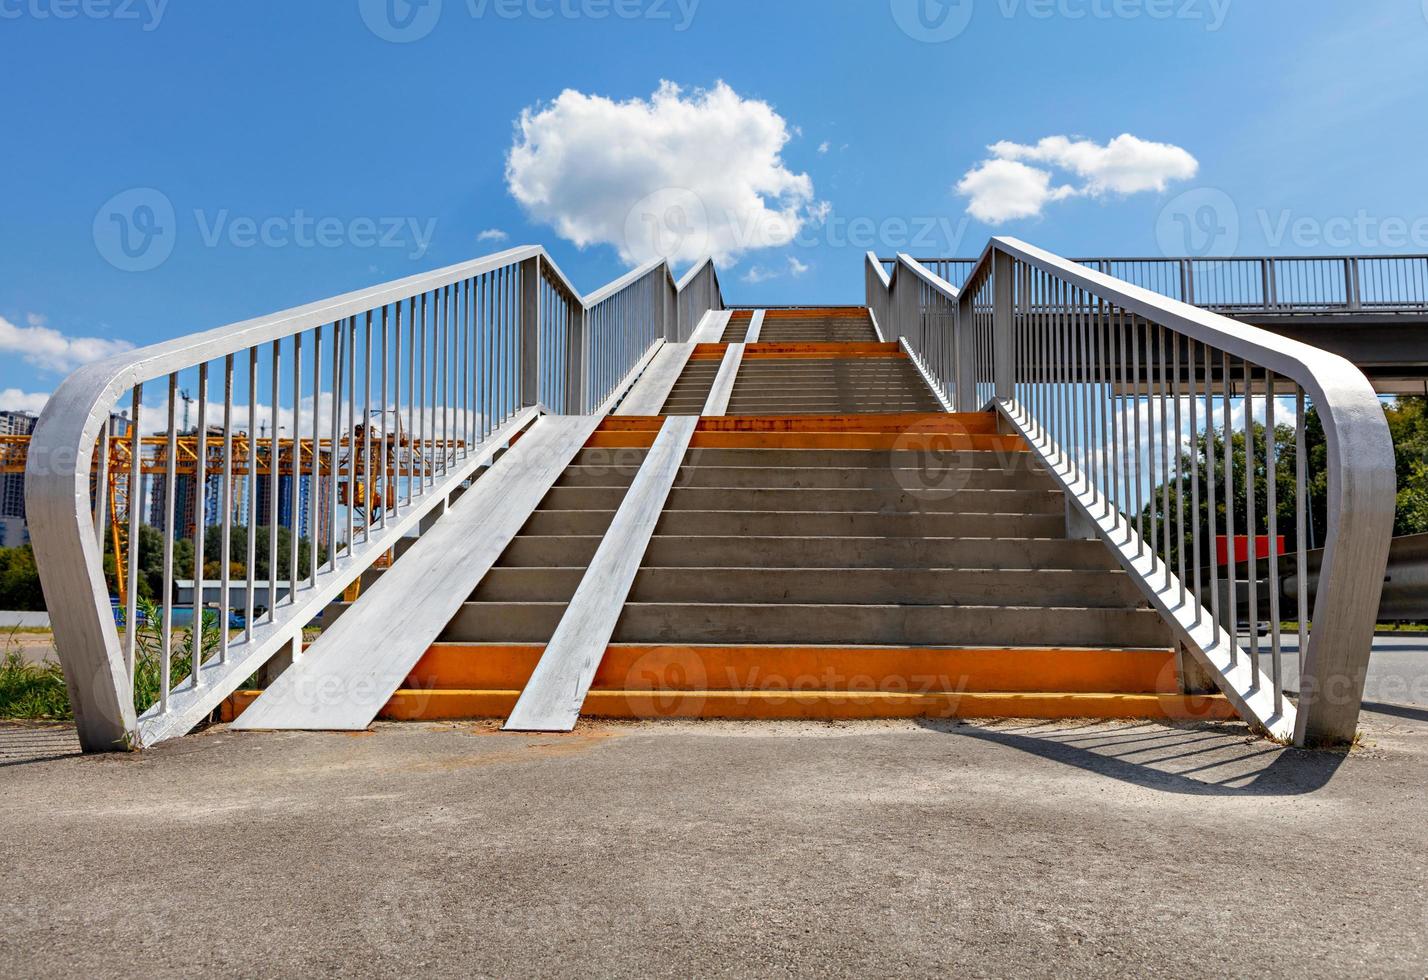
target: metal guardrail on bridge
<point>1257,284</point>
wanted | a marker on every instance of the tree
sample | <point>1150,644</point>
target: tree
<point>1408,424</point>
<point>20,580</point>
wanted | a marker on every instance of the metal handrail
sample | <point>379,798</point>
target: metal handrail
<point>397,395</point>
<point>1071,357</point>
<point>1282,284</point>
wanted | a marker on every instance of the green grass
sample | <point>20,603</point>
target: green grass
<point>37,692</point>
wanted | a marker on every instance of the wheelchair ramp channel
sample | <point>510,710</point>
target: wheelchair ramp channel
<point>551,702</point>
<point>352,670</point>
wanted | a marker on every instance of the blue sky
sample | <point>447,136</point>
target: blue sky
<point>1308,122</point>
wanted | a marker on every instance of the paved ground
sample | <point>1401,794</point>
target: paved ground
<point>677,849</point>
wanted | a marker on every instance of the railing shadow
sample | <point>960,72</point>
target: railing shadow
<point>1205,759</point>
<point>23,745</point>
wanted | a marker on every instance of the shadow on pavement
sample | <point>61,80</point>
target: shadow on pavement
<point>21,745</point>
<point>1201,760</point>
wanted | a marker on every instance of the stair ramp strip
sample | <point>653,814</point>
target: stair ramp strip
<point>718,401</point>
<point>358,663</point>
<point>756,327</point>
<point>552,700</point>
<point>652,390</point>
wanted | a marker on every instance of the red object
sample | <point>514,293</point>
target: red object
<point>1261,547</point>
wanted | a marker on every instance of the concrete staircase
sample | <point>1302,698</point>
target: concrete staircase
<point>835,547</point>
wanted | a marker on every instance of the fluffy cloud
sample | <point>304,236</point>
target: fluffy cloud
<point>50,350</point>
<point>1007,186</point>
<point>677,176</point>
<point>492,235</point>
<point>15,400</point>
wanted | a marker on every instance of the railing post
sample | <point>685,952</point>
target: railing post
<point>1351,282</point>
<point>531,354</point>
<point>965,339</point>
<point>1003,325</point>
<point>575,362</point>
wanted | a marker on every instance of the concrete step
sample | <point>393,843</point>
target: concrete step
<point>863,460</point>
<point>933,477</point>
<point>890,499</point>
<point>811,524</point>
<point>631,667</point>
<point>848,586</point>
<point>863,625</point>
<point>668,551</point>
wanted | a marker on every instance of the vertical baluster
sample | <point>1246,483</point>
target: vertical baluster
<point>339,343</point>
<point>369,479</point>
<point>385,482</point>
<point>200,508</point>
<point>136,523</point>
<point>274,469</point>
<point>166,629</point>
<point>251,552</point>
<point>1271,471</point>
<point>295,521</point>
<point>1179,474</point>
<point>1192,356</point>
<point>1251,527</point>
<point>1302,504</point>
<point>1139,487</point>
<point>1210,491</point>
<point>1164,451</point>
<point>316,506</point>
<point>1231,560</point>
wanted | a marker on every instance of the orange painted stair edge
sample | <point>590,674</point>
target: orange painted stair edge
<point>803,350</point>
<point>966,422</point>
<point>752,667</point>
<point>412,705</point>
<point>911,440</point>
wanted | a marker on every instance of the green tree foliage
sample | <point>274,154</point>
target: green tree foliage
<point>151,557</point>
<point>19,580</point>
<point>1408,423</point>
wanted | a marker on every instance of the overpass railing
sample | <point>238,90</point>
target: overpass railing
<point>349,422</point>
<point>1163,422</point>
<point>1246,285</point>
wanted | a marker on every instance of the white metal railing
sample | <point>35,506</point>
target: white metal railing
<point>347,422</point>
<point>1163,423</point>
<point>1258,284</point>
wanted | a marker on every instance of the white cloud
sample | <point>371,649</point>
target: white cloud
<point>15,400</point>
<point>1006,186</point>
<point>675,175</point>
<point>492,235</point>
<point>758,274</point>
<point>48,349</point>
<point>824,147</point>
<point>1001,190</point>
<point>797,268</point>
